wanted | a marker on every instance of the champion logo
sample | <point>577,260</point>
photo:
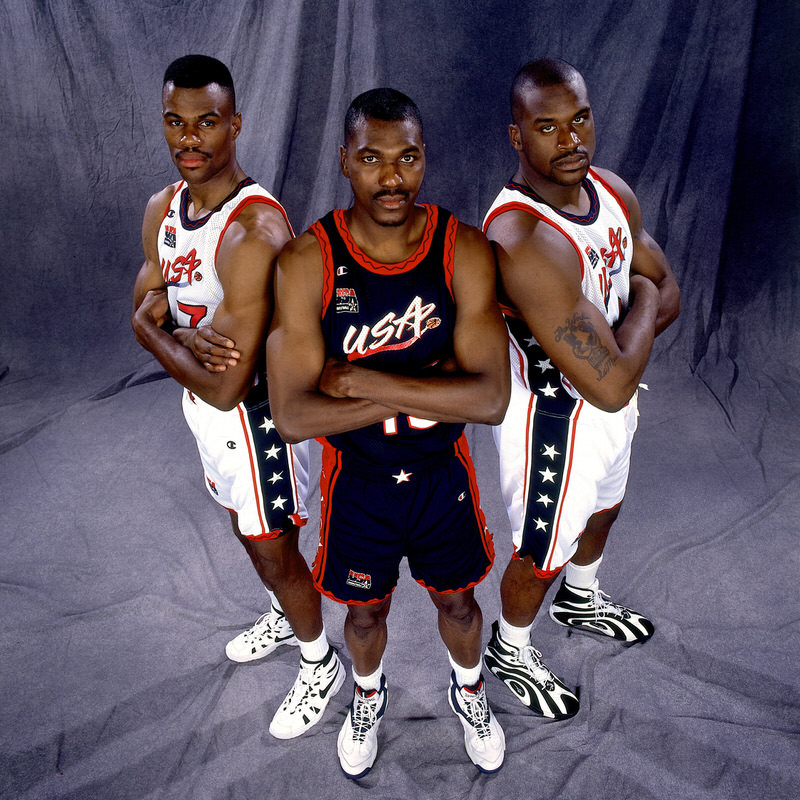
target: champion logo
<point>341,270</point>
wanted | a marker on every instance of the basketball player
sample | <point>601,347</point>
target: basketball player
<point>386,339</point>
<point>586,291</point>
<point>210,243</point>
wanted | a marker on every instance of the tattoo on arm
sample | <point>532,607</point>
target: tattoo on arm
<point>580,335</point>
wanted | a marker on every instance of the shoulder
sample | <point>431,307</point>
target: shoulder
<point>304,250</point>
<point>618,186</point>
<point>158,203</point>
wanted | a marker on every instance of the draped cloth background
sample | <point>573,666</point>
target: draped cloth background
<point>119,579</point>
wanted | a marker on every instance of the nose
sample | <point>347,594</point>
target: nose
<point>568,139</point>
<point>389,175</point>
<point>190,137</point>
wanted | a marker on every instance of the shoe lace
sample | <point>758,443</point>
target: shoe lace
<point>364,714</point>
<point>532,659</point>
<point>604,606</point>
<point>477,711</point>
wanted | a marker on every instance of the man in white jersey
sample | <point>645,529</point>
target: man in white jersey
<point>585,291</point>
<point>210,243</point>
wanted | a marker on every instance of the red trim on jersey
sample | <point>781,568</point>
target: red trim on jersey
<point>461,447</point>
<point>389,269</point>
<point>254,476</point>
<point>517,206</point>
<point>449,260</point>
<point>331,467</point>
<point>611,192</point>
<point>327,265</point>
<point>256,198</point>
<point>169,205</point>
<point>576,413</point>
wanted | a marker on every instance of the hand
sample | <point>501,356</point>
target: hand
<point>154,308</point>
<point>335,378</point>
<point>214,351</point>
<point>641,287</point>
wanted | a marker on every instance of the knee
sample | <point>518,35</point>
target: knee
<point>364,620</point>
<point>460,611</point>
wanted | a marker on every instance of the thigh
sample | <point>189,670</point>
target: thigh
<point>450,548</point>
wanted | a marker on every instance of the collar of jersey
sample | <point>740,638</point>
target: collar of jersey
<point>587,219</point>
<point>194,224</point>
<point>389,269</point>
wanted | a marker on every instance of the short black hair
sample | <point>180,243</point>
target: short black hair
<point>383,103</point>
<point>541,72</point>
<point>195,71</point>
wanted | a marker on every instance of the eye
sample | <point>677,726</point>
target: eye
<point>580,119</point>
<point>207,123</point>
<point>408,158</point>
<point>369,159</point>
<point>547,128</point>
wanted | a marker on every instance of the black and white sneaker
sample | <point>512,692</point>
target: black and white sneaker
<point>592,610</point>
<point>483,737</point>
<point>313,688</point>
<point>269,631</point>
<point>357,744</point>
<point>534,685</point>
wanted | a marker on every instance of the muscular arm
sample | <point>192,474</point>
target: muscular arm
<point>648,258</point>
<point>245,267</point>
<point>296,354</point>
<point>540,272</point>
<point>478,389</point>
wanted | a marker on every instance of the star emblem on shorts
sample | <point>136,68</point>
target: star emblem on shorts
<point>272,452</point>
<point>548,476</point>
<point>403,476</point>
<point>279,502</point>
<point>550,451</point>
<point>276,476</point>
<point>541,525</point>
<point>548,391</point>
<point>544,500</point>
<point>530,341</point>
<point>544,365</point>
<point>267,425</point>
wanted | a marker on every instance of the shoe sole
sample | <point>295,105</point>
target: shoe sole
<point>335,686</point>
<point>291,641</point>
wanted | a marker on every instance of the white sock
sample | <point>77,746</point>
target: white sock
<point>519,637</point>
<point>465,676</point>
<point>315,650</point>
<point>582,576</point>
<point>274,600</point>
<point>371,682</point>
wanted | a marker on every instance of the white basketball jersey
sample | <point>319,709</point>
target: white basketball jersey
<point>188,250</point>
<point>601,238</point>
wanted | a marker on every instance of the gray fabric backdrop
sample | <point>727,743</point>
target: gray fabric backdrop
<point>119,581</point>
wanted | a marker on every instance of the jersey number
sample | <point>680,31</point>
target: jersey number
<point>417,423</point>
<point>195,313</point>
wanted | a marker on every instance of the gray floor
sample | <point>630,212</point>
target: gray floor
<point>121,583</point>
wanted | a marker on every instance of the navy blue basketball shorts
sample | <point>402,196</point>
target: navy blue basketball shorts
<point>372,518</point>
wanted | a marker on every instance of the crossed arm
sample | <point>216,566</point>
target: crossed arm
<point>245,265</point>
<point>540,273</point>
<point>312,395</point>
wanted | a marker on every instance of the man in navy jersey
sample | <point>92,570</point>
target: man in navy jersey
<point>386,339</point>
<point>210,243</point>
<point>585,290</point>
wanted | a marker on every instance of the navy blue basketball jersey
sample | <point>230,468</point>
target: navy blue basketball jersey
<point>395,318</point>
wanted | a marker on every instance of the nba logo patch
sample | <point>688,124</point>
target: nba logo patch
<point>169,236</point>
<point>346,301</point>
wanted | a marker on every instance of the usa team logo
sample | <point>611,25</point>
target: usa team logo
<point>169,236</point>
<point>591,254</point>
<point>359,580</point>
<point>346,301</point>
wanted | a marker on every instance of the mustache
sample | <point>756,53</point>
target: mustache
<point>578,151</point>
<point>390,193</point>
<point>193,151</point>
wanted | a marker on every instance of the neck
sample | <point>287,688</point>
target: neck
<point>571,197</point>
<point>387,244</point>
<point>208,195</point>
